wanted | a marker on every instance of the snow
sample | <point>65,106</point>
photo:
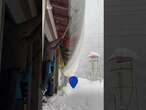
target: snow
<point>93,55</point>
<point>88,95</point>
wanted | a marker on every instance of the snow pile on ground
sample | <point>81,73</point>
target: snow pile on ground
<point>88,95</point>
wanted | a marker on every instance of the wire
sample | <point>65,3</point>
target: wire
<point>64,34</point>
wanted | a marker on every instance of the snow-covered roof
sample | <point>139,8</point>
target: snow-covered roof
<point>93,55</point>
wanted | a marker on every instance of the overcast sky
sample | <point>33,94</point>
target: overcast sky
<point>93,36</point>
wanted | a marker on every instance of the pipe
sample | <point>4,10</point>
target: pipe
<point>49,8</point>
<point>43,25</point>
<point>60,7</point>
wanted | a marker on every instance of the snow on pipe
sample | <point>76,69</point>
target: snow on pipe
<point>72,65</point>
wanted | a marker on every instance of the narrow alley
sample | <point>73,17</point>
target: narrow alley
<point>87,97</point>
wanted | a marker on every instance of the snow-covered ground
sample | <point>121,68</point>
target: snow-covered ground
<point>88,95</point>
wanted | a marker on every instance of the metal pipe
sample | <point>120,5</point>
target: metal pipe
<point>49,8</point>
<point>60,7</point>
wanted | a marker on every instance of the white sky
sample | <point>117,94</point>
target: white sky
<point>94,16</point>
<point>93,36</point>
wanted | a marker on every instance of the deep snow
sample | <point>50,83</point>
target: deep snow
<point>88,95</point>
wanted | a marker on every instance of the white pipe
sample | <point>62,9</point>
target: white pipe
<point>49,8</point>
<point>2,12</point>
<point>43,25</point>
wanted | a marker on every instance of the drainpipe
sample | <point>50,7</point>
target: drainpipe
<point>49,8</point>
<point>43,25</point>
